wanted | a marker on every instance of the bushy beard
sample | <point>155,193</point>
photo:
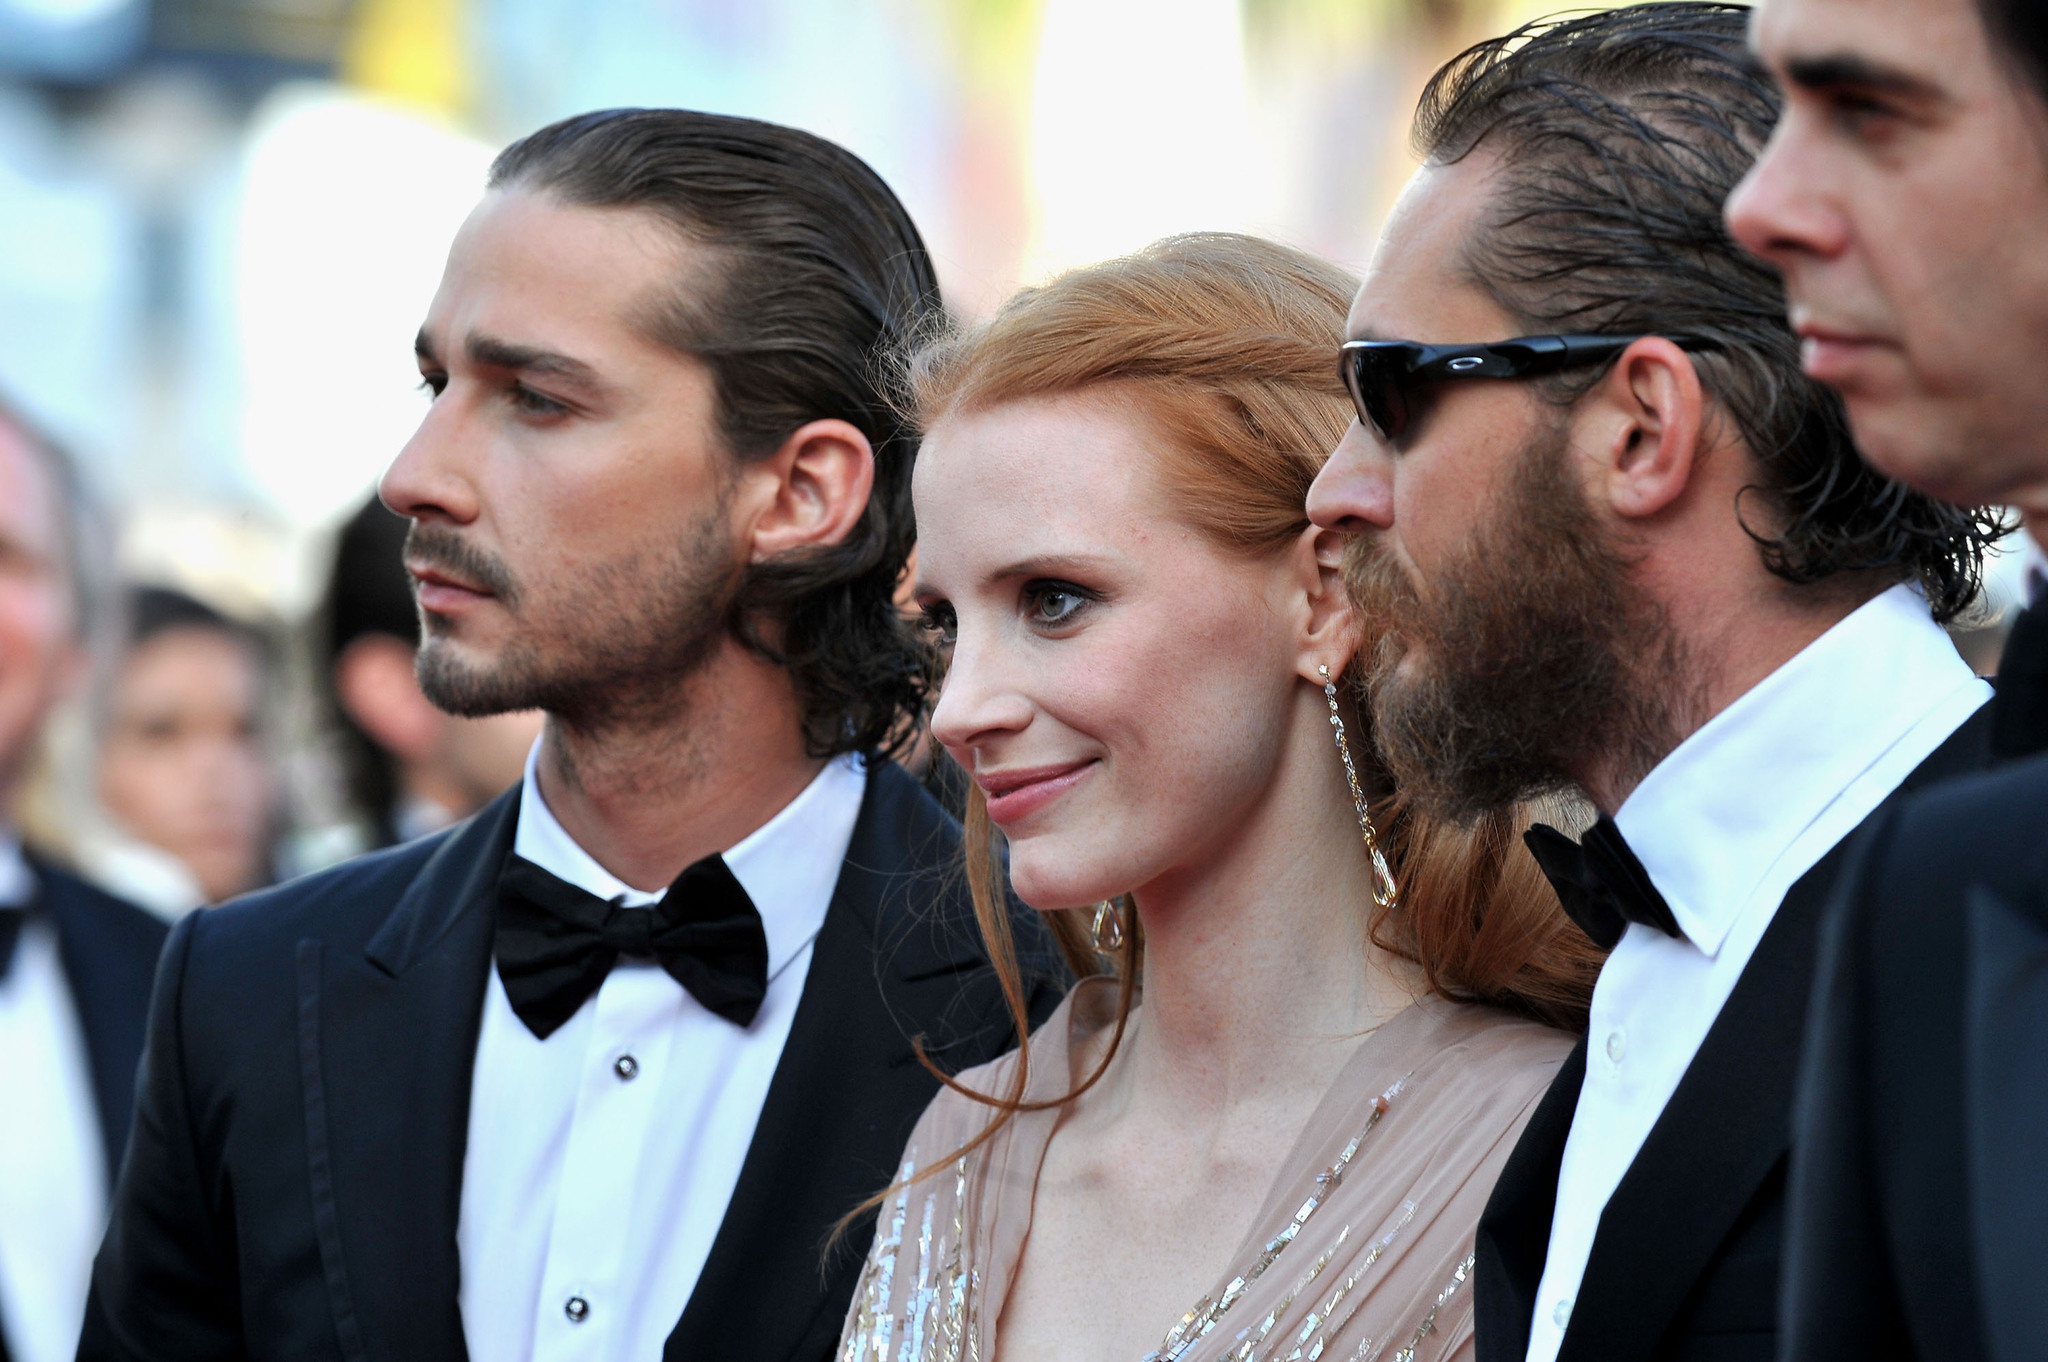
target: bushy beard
<point>1534,661</point>
<point>614,642</point>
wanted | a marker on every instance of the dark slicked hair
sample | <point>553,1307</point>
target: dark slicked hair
<point>1620,135</point>
<point>815,279</point>
<point>2020,29</point>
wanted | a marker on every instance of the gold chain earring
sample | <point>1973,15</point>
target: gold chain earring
<point>1384,891</point>
<point>1109,928</point>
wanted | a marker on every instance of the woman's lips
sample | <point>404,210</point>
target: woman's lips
<point>1014,794</point>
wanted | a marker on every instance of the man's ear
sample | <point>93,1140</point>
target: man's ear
<point>1330,625</point>
<point>1643,428</point>
<point>811,491</point>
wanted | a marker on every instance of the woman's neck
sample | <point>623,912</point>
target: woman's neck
<point>1259,970</point>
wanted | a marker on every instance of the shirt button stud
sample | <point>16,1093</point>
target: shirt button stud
<point>1562,1314</point>
<point>1617,1046</point>
<point>578,1309</point>
<point>626,1067</point>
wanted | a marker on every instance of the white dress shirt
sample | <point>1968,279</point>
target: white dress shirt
<point>601,1159</point>
<point>53,1194</point>
<point>1725,825</point>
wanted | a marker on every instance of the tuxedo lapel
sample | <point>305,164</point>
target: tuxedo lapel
<point>109,950</point>
<point>1727,1128</point>
<point>2005,1084</point>
<point>1514,1231</point>
<point>2020,711</point>
<point>387,1041</point>
<point>887,965</point>
<point>1724,1131</point>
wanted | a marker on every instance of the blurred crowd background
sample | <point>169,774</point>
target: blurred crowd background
<point>221,222</point>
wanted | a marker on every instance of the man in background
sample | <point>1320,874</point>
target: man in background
<point>1623,545</point>
<point>1904,198</point>
<point>412,768</point>
<point>182,766</point>
<point>75,963</point>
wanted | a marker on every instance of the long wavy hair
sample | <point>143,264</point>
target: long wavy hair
<point>1228,344</point>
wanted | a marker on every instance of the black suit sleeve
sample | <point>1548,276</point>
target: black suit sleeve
<point>1839,1296</point>
<point>163,1285</point>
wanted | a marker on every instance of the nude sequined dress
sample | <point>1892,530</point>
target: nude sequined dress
<point>1361,1251</point>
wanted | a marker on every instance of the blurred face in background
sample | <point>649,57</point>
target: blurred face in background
<point>1904,197</point>
<point>40,654</point>
<point>1124,690</point>
<point>571,547</point>
<point>182,764</point>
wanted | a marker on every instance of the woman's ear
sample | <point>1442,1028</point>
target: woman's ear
<point>813,489</point>
<point>1330,624</point>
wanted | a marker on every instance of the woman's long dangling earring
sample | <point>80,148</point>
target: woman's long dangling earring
<point>1384,891</point>
<point>1109,928</point>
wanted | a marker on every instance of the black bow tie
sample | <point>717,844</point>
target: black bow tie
<point>10,932</point>
<point>1601,884</point>
<point>556,943</point>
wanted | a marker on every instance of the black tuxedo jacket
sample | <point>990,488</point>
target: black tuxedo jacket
<point>1918,1210</point>
<point>109,950</point>
<point>1686,1260</point>
<point>294,1182</point>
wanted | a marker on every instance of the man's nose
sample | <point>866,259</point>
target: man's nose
<point>430,479</point>
<point>1355,490</point>
<point>1781,210</point>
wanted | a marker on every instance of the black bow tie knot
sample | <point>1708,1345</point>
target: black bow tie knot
<point>1601,884</point>
<point>556,942</point>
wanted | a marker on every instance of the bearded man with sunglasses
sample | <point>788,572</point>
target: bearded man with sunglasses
<point>1619,544</point>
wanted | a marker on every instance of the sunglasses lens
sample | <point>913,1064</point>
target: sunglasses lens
<point>1377,391</point>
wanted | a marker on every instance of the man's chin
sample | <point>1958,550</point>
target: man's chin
<point>1917,444</point>
<point>468,682</point>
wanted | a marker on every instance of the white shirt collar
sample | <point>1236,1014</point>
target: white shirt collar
<point>788,866</point>
<point>1717,813</point>
<point>17,881</point>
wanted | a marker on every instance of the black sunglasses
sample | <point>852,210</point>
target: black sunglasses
<point>1382,375</point>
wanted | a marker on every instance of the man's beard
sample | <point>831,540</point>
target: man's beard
<point>1535,661</point>
<point>615,643</point>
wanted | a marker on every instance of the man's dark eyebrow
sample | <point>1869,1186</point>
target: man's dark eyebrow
<point>494,353</point>
<point>1847,69</point>
<point>423,345</point>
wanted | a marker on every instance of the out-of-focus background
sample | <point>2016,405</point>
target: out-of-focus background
<point>221,222</point>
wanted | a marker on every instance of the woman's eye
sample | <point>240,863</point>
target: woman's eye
<point>432,384</point>
<point>1053,603</point>
<point>940,622</point>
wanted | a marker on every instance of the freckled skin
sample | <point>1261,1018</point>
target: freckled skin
<point>1096,630</point>
<point>1178,682</point>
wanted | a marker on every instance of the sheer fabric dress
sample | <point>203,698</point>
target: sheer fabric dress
<point>1362,1249</point>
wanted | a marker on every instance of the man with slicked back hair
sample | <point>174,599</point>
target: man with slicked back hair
<point>1904,197</point>
<point>1630,550</point>
<point>596,1073</point>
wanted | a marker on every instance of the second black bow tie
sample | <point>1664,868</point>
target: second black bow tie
<point>10,932</point>
<point>1601,884</point>
<point>556,942</point>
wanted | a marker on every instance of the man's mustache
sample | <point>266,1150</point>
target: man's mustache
<point>444,550</point>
